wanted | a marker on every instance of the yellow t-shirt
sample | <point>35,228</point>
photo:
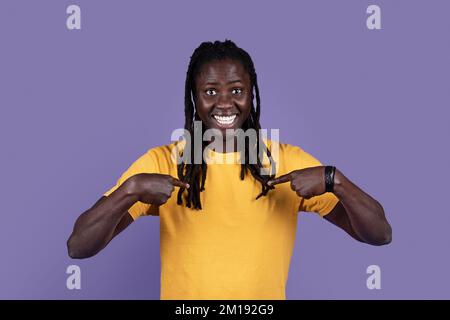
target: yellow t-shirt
<point>236,247</point>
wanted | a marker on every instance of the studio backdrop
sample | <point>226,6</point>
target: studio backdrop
<point>86,87</point>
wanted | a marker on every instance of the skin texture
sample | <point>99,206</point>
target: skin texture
<point>224,88</point>
<point>357,213</point>
<point>96,227</point>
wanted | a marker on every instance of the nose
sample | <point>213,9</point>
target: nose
<point>224,101</point>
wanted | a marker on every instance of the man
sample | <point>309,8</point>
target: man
<point>227,234</point>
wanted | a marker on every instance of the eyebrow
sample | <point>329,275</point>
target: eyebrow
<point>216,83</point>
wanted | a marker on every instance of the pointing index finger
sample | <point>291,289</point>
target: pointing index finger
<point>281,179</point>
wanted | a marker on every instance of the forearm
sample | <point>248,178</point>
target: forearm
<point>366,215</point>
<point>95,228</point>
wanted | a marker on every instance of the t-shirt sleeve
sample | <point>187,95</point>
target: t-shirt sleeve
<point>322,204</point>
<point>145,164</point>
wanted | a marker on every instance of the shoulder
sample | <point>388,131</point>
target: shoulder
<point>162,157</point>
<point>284,149</point>
<point>291,156</point>
<point>161,151</point>
<point>165,151</point>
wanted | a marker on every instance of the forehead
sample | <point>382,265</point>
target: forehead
<point>222,70</point>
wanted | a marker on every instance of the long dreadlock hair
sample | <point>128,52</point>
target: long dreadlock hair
<point>195,174</point>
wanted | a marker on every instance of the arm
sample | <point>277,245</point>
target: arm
<point>357,213</point>
<point>96,227</point>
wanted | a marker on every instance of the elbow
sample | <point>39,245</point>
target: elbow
<point>385,235</point>
<point>74,254</point>
<point>384,241</point>
<point>74,251</point>
<point>384,238</point>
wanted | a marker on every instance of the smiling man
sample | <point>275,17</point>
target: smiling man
<point>215,83</point>
<point>229,231</point>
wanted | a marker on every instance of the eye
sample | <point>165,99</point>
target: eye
<point>237,91</point>
<point>211,92</point>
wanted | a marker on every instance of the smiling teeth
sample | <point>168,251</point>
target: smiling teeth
<point>225,119</point>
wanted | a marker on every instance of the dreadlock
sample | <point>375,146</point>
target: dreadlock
<point>195,174</point>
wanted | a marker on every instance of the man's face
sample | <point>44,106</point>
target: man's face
<point>223,95</point>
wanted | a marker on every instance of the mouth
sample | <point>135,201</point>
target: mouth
<point>225,121</point>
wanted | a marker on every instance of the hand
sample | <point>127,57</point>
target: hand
<point>154,188</point>
<point>307,183</point>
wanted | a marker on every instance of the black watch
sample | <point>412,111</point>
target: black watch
<point>329,178</point>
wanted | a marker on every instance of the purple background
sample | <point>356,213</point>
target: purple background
<point>78,107</point>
